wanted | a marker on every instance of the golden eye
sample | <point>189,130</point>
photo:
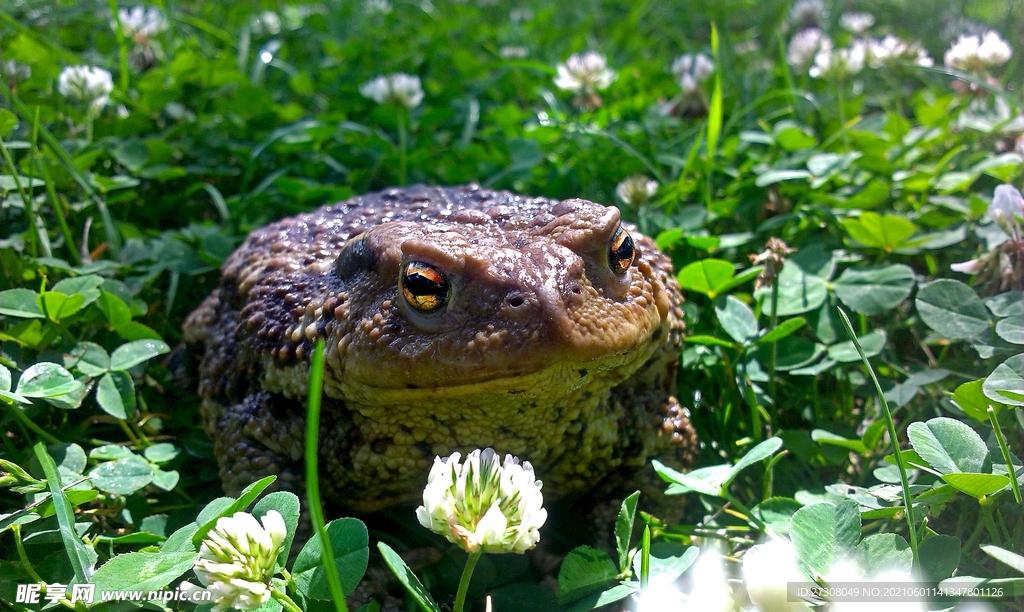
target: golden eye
<point>621,252</point>
<point>424,287</point>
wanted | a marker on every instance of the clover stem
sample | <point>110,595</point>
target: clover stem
<point>467,575</point>
<point>285,601</point>
<point>773,349</point>
<point>901,462</point>
<point>1010,469</point>
<point>26,564</point>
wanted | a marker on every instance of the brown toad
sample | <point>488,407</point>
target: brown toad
<point>454,318</point>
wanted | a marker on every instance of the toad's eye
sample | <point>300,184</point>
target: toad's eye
<point>621,252</point>
<point>424,287</point>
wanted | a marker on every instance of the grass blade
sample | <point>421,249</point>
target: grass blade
<point>316,512</point>
<point>891,425</point>
<point>78,554</point>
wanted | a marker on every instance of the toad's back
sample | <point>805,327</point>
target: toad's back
<point>453,319</point>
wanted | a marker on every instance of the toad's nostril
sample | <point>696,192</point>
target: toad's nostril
<point>576,290</point>
<point>516,301</point>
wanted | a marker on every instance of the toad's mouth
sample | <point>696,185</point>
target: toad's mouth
<point>561,378</point>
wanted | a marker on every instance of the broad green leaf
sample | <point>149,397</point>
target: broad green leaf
<point>287,505</point>
<point>88,358</point>
<point>822,436</point>
<point>882,552</point>
<point>795,352</point>
<point>824,533</point>
<point>884,232</point>
<point>1011,329</point>
<point>350,544</point>
<point>1001,167</point>
<point>115,393</point>
<point>874,291</point>
<point>940,556</point>
<point>977,485</point>
<point>904,392</point>
<point>1011,559</point>
<point>798,291</point>
<point>141,571</point>
<point>5,378</point>
<point>948,445</point>
<point>8,121</point>
<point>165,479</point>
<point>88,286</point>
<point>952,309</point>
<point>792,136</point>
<point>736,318</point>
<point>710,341</point>
<point>412,584</point>
<point>758,453</point>
<point>46,380</point>
<point>668,560</point>
<point>846,352</point>
<point>20,303</point>
<point>1009,304</point>
<point>706,480</point>
<point>114,309</point>
<point>782,330</point>
<point>624,529</point>
<point>603,598</point>
<point>972,400</point>
<point>715,479</point>
<point>707,276</point>
<point>584,571</point>
<point>161,452</point>
<point>132,354</point>
<point>123,476</point>
<point>58,306</point>
<point>1006,383</point>
<point>777,176</point>
<point>776,512</point>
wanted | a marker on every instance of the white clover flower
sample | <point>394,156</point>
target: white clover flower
<point>13,72</point>
<point>237,558</point>
<point>636,190</point>
<point>398,88</point>
<point>839,63</point>
<point>804,12</point>
<point>692,69</point>
<point>974,53</point>
<point>1007,208</point>
<point>858,23</point>
<point>378,7</point>
<point>513,52</point>
<point>267,22</point>
<point>140,23</point>
<point>484,505</point>
<point>88,84</point>
<point>584,72</point>
<point>767,568</point>
<point>711,592</point>
<point>804,45</point>
<point>891,50</point>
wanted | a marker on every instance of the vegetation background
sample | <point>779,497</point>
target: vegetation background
<point>120,195</point>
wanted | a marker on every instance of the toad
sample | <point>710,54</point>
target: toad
<point>453,318</point>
